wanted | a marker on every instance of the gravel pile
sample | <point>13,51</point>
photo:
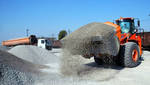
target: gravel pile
<point>33,54</point>
<point>93,38</point>
<point>22,65</point>
<point>15,71</point>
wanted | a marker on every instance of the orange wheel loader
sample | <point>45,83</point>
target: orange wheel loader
<point>130,43</point>
<point>107,42</point>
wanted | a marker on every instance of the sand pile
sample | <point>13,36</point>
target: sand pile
<point>93,38</point>
<point>15,71</point>
<point>33,54</point>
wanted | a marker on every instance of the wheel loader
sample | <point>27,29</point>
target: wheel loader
<point>108,42</point>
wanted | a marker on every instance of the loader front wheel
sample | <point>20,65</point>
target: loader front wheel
<point>130,55</point>
<point>98,61</point>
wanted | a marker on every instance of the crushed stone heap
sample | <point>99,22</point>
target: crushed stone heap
<point>33,54</point>
<point>15,71</point>
<point>93,38</point>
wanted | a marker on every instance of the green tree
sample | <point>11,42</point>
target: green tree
<point>62,34</point>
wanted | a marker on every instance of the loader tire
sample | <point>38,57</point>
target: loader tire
<point>98,61</point>
<point>130,55</point>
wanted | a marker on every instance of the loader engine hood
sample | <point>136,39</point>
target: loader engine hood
<point>93,38</point>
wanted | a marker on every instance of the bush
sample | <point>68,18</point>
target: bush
<point>62,34</point>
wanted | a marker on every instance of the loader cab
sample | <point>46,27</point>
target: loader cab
<point>127,25</point>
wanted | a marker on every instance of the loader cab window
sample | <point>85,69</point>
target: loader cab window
<point>127,26</point>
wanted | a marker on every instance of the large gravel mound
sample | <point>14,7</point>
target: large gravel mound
<point>33,54</point>
<point>93,38</point>
<point>15,71</point>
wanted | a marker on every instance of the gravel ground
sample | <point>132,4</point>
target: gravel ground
<point>86,72</point>
<point>80,71</point>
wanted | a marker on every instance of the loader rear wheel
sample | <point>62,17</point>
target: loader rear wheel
<point>98,61</point>
<point>130,55</point>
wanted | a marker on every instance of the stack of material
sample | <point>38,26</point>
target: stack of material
<point>93,38</point>
<point>15,71</point>
<point>22,65</point>
<point>33,54</point>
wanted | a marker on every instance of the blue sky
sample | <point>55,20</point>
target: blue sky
<point>48,17</point>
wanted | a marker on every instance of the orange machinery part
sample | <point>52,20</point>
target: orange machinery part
<point>132,38</point>
<point>16,42</point>
<point>118,29</point>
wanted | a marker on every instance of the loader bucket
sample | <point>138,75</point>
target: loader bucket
<point>92,39</point>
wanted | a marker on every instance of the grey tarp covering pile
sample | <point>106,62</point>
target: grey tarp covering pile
<point>93,38</point>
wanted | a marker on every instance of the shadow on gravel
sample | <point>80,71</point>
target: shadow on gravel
<point>92,71</point>
<point>77,66</point>
<point>93,64</point>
